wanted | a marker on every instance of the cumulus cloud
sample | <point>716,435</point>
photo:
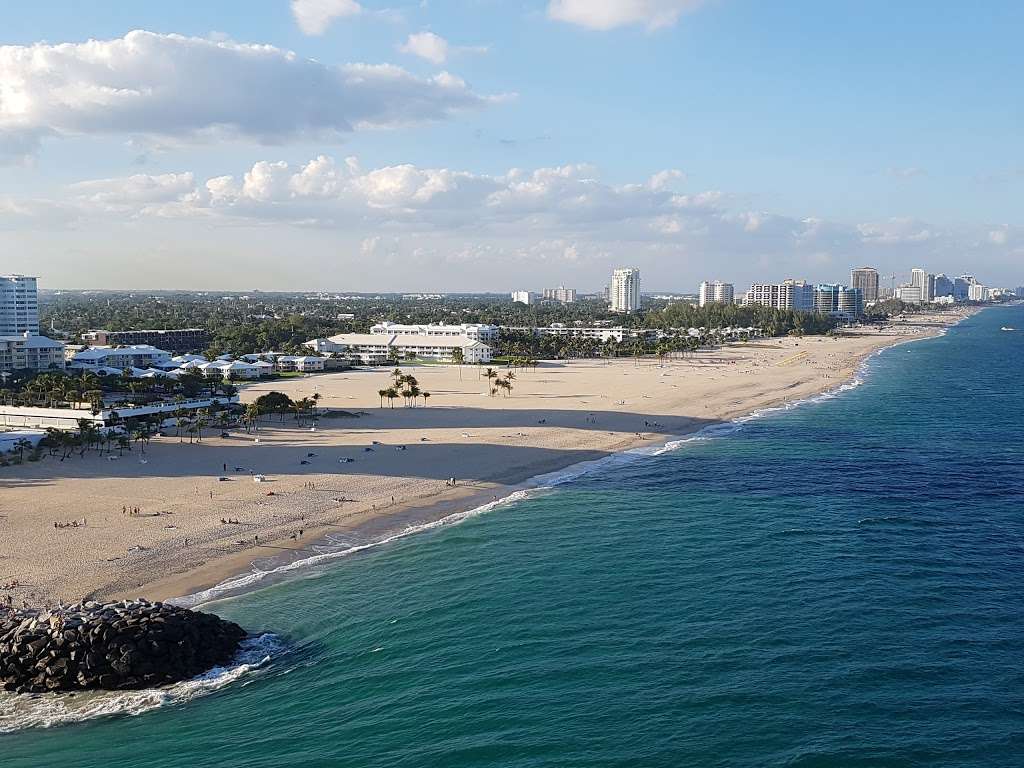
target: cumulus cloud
<point>315,16</point>
<point>175,88</point>
<point>608,14</point>
<point>426,45</point>
<point>434,48</point>
<point>487,223</point>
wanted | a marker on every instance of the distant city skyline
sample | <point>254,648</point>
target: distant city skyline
<point>443,154</point>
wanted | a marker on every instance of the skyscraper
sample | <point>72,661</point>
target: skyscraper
<point>943,286</point>
<point>624,292</point>
<point>962,286</point>
<point>716,293</point>
<point>19,306</point>
<point>865,279</point>
<point>919,278</point>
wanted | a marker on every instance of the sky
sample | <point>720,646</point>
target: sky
<point>493,145</point>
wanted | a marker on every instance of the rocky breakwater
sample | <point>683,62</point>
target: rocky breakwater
<point>113,646</point>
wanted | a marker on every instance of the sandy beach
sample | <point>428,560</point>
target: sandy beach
<point>367,470</point>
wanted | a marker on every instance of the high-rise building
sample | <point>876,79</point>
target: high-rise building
<point>716,293</point>
<point>838,300</point>
<point>523,297</point>
<point>851,302</point>
<point>865,279</point>
<point>919,278</point>
<point>909,294</point>
<point>561,293</point>
<point>624,291</point>
<point>961,287</point>
<point>1020,292</point>
<point>943,286</point>
<point>790,294</point>
<point>19,306</point>
<point>977,292</point>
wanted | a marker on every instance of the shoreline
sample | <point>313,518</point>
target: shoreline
<point>230,579</point>
<point>755,377</point>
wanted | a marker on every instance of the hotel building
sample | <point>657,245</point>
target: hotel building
<point>376,348</point>
<point>474,331</point>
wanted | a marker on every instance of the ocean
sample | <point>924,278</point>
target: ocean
<point>835,584</point>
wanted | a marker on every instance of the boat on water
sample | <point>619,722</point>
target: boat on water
<point>1007,328</point>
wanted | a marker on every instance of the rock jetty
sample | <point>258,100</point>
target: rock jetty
<point>112,646</point>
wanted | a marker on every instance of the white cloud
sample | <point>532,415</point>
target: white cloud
<point>895,231</point>
<point>608,14</point>
<point>910,172</point>
<point>427,45</point>
<point>315,16</point>
<point>173,88</point>
<point>434,48</point>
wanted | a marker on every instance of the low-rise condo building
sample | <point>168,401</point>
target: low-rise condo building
<point>177,340</point>
<point>134,356</point>
<point>30,353</point>
<point>597,333</point>
<point>377,348</point>
<point>67,419</point>
<point>474,331</point>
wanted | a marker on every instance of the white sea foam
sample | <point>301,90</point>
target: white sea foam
<point>325,554</point>
<point>18,712</point>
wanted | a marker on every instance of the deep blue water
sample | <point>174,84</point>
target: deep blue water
<point>839,585</point>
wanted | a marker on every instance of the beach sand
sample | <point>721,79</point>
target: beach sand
<point>558,415</point>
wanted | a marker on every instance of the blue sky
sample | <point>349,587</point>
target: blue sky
<point>808,137</point>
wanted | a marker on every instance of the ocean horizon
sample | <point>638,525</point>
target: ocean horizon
<point>830,583</point>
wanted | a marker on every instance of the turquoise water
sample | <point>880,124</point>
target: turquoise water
<point>838,585</point>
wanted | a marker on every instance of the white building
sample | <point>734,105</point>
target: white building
<point>19,306</point>
<point>119,358</point>
<point>909,294</point>
<point>233,370</point>
<point>597,333</point>
<point>560,294</point>
<point>789,294</point>
<point>22,417</point>
<point>919,278</point>
<point>375,348</point>
<point>523,297</point>
<point>28,352</point>
<point>977,292</point>
<point>624,291</point>
<point>474,331</point>
<point>716,292</point>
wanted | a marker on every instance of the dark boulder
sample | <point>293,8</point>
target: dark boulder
<point>117,646</point>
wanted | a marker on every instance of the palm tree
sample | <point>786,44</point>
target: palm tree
<point>426,396</point>
<point>459,357</point>
<point>382,393</point>
<point>392,393</point>
<point>491,374</point>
